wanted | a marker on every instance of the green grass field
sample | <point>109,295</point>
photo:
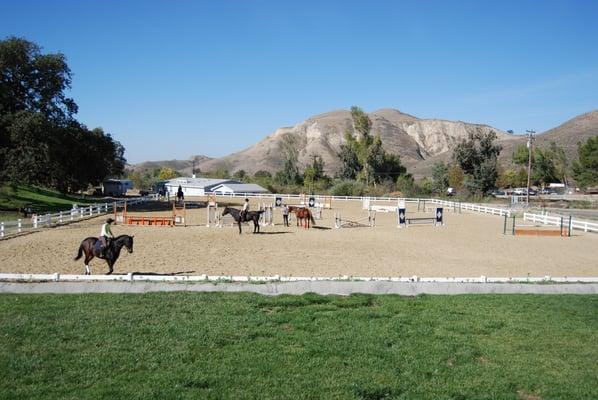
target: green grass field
<point>246,346</point>
<point>40,199</point>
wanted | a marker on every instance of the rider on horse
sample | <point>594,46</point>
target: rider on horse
<point>244,210</point>
<point>105,236</point>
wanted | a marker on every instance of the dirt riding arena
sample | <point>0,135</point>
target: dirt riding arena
<point>468,245</point>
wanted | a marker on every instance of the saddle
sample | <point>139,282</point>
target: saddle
<point>98,245</point>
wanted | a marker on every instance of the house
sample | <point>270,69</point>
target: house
<point>194,186</point>
<point>239,188</point>
<point>116,187</point>
<point>203,186</point>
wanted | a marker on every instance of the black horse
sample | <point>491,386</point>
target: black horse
<point>88,246</point>
<point>249,216</point>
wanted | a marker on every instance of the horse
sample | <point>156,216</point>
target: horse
<point>88,246</point>
<point>249,216</point>
<point>303,213</point>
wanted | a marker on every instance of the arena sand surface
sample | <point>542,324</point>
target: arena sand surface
<point>468,245</point>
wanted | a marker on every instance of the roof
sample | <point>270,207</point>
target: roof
<point>200,183</point>
<point>242,188</point>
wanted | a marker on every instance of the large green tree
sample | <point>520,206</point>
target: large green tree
<point>477,156</point>
<point>40,140</point>
<point>363,156</point>
<point>585,169</point>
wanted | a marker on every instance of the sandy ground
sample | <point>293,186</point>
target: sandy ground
<point>467,245</point>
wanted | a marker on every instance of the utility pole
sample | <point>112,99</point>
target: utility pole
<point>530,141</point>
<point>193,169</point>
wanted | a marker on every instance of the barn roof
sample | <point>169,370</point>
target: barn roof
<point>242,188</point>
<point>200,183</point>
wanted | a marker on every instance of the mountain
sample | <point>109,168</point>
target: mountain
<point>419,142</point>
<point>566,135</point>
<point>413,139</point>
<point>183,166</point>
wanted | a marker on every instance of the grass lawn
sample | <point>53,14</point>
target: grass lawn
<point>40,199</point>
<point>237,346</point>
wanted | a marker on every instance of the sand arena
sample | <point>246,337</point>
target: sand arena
<point>468,245</point>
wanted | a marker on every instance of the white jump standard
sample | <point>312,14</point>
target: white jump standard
<point>436,220</point>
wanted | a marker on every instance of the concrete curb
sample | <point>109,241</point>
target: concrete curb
<point>298,288</point>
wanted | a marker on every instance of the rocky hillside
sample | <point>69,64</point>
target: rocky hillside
<point>566,135</point>
<point>419,142</point>
<point>412,138</point>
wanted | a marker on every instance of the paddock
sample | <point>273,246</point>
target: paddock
<point>468,244</point>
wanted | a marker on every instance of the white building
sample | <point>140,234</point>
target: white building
<point>194,186</point>
<point>236,188</point>
<point>203,186</point>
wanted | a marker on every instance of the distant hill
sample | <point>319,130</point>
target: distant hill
<point>419,142</point>
<point>183,166</point>
<point>411,138</point>
<point>566,135</point>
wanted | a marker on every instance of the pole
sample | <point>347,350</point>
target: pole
<point>530,141</point>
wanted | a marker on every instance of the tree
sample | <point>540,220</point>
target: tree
<point>406,185</point>
<point>363,156</point>
<point>520,155</point>
<point>456,176</point>
<point>585,169</point>
<point>289,174</point>
<point>544,170</point>
<point>240,175</point>
<point>314,174</point>
<point>168,173</point>
<point>40,141</point>
<point>477,156</point>
<point>440,177</point>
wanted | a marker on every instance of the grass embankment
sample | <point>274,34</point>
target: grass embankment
<point>41,200</point>
<point>236,346</point>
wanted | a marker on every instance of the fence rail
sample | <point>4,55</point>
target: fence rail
<point>47,220</point>
<point>546,219</point>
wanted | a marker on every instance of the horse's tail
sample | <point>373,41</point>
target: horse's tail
<point>311,216</point>
<point>80,253</point>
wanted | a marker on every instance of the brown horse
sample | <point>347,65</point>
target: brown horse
<point>303,214</point>
<point>91,250</point>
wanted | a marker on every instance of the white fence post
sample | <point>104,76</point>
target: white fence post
<point>1,229</point>
<point>60,217</point>
<point>90,211</point>
<point>19,225</point>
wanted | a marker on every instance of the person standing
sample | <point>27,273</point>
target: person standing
<point>285,214</point>
<point>105,236</point>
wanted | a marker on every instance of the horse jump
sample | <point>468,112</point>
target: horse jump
<point>563,230</point>
<point>365,222</point>
<point>436,220</point>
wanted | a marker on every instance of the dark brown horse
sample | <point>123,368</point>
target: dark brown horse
<point>88,246</point>
<point>249,216</point>
<point>303,214</point>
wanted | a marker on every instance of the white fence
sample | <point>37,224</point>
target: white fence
<point>556,221</point>
<point>63,217</point>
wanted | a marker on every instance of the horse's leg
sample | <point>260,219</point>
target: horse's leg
<point>110,269</point>
<point>88,257</point>
<point>239,226</point>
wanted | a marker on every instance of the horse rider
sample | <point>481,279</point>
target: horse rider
<point>105,236</point>
<point>245,210</point>
<point>285,214</point>
<point>179,194</point>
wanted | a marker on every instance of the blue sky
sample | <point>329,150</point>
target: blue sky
<point>170,79</point>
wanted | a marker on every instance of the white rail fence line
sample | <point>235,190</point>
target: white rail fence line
<point>56,277</point>
<point>62,217</point>
<point>546,219</point>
